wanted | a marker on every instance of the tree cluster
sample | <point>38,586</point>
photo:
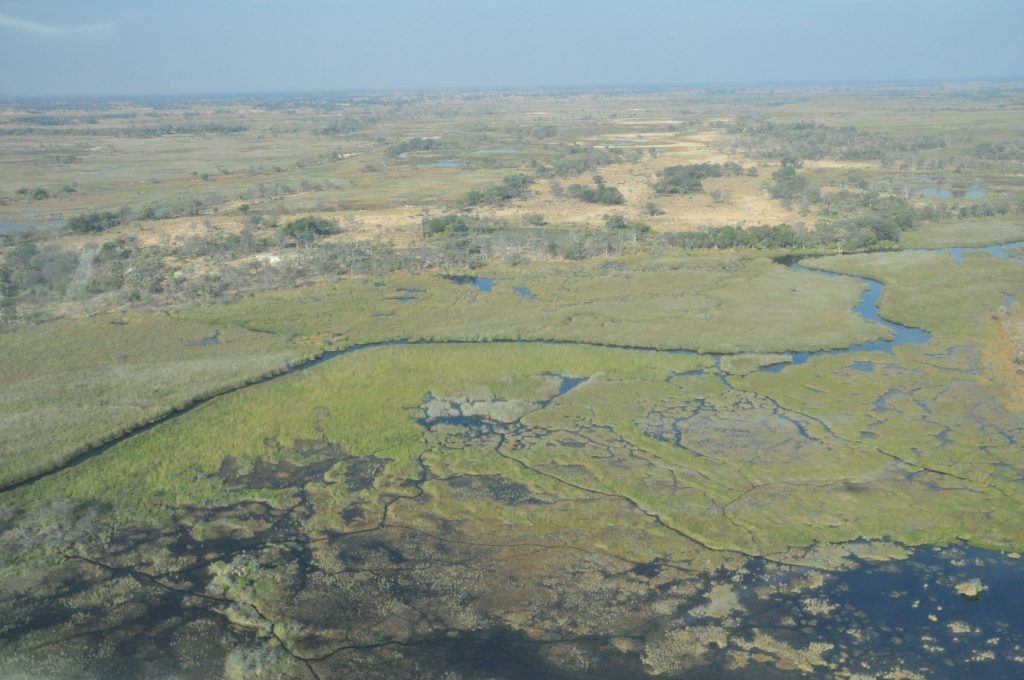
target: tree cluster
<point>308,229</point>
<point>511,187</point>
<point>96,222</point>
<point>599,193</point>
<point>415,144</point>
<point>688,179</point>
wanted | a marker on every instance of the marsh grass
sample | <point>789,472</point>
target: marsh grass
<point>955,300</point>
<point>713,303</point>
<point>964,233</point>
<point>67,386</point>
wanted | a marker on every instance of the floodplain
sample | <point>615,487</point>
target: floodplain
<point>396,386</point>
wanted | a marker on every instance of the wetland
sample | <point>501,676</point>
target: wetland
<point>427,415</point>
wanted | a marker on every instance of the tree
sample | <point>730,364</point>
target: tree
<point>688,179</point>
<point>308,229</point>
<point>602,193</point>
<point>448,225</point>
<point>8,291</point>
<point>94,223</point>
<point>511,187</point>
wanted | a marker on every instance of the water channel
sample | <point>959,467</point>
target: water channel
<point>867,308</point>
<point>902,613</point>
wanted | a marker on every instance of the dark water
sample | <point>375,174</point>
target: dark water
<point>482,282</point>
<point>867,309</point>
<point>486,285</point>
<point>407,295</point>
<point>912,603</point>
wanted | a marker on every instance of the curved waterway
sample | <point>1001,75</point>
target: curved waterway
<point>867,308</point>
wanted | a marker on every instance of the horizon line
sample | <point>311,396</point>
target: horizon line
<point>664,86</point>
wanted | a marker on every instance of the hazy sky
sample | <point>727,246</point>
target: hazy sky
<point>90,47</point>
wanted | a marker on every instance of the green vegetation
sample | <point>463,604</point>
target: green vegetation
<point>618,222</point>
<point>511,187</point>
<point>415,144</point>
<point>599,193</point>
<point>447,225</point>
<point>959,309</point>
<point>964,233</point>
<point>308,229</point>
<point>787,184</point>
<point>759,238</point>
<point>68,386</point>
<point>94,222</point>
<point>731,304</point>
<point>688,179</point>
<point>668,513</point>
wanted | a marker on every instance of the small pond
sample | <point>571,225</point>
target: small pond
<point>936,192</point>
<point>482,282</point>
<point>446,163</point>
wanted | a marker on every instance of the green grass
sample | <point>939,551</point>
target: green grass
<point>955,300</point>
<point>71,385</point>
<point>964,233</point>
<point>711,303</point>
<point>741,450</point>
<point>655,457</point>
<point>67,386</point>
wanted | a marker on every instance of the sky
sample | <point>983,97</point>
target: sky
<point>147,47</point>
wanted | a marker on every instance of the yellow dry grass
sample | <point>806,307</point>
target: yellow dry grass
<point>742,199</point>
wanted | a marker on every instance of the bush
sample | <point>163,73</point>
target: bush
<point>618,222</point>
<point>511,187</point>
<point>777,236</point>
<point>688,179</point>
<point>602,194</point>
<point>94,223</point>
<point>445,224</point>
<point>415,144</point>
<point>307,229</point>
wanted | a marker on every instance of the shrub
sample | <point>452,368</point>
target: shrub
<point>94,223</point>
<point>307,229</point>
<point>602,194</point>
<point>512,186</point>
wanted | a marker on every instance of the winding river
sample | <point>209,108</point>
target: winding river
<point>867,308</point>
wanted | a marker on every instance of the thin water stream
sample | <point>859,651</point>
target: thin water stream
<point>867,308</point>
